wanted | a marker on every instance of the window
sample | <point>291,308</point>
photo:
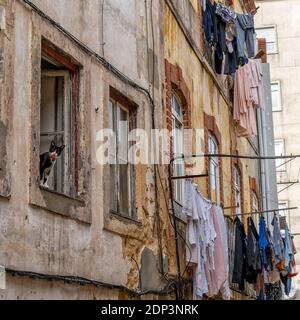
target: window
<point>121,172</point>
<point>178,149</point>
<point>276,96</point>
<point>268,33</point>
<point>237,190</point>
<point>214,169</point>
<point>284,214</point>
<point>255,208</point>
<point>279,151</point>
<point>57,119</point>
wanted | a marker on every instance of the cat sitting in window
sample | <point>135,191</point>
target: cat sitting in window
<point>47,162</point>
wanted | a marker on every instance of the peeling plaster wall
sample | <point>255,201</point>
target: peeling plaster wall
<point>6,94</point>
<point>206,98</point>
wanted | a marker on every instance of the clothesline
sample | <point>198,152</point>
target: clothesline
<point>171,178</point>
<point>261,212</point>
<point>221,257</point>
<point>234,156</point>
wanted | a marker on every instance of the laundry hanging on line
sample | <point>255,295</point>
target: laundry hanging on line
<point>232,38</point>
<point>231,35</point>
<point>207,247</point>
<point>264,271</point>
<point>257,257</point>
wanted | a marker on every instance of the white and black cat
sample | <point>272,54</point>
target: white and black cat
<point>47,162</point>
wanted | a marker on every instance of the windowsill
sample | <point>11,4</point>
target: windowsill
<point>62,194</point>
<point>272,53</point>
<point>61,204</point>
<point>124,218</point>
<point>124,226</point>
<point>276,111</point>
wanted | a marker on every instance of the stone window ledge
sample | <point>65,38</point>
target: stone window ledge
<point>124,226</point>
<point>61,204</point>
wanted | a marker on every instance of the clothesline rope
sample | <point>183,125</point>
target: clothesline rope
<point>234,156</point>
<point>261,212</point>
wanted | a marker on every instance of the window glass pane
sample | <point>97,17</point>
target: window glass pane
<point>122,136</point>
<point>285,213</point>
<point>111,115</point>
<point>279,151</point>
<point>271,47</point>
<point>276,99</point>
<point>124,189</point>
<point>178,146</point>
<point>113,188</point>
<point>255,208</point>
<point>120,188</point>
<point>270,35</point>
<point>176,108</point>
<point>237,187</point>
<point>214,170</point>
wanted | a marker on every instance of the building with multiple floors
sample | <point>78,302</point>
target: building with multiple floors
<point>68,71</point>
<point>283,50</point>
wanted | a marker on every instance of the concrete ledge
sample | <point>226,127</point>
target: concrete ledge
<point>63,205</point>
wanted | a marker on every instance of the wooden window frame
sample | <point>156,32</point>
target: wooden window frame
<point>177,120</point>
<point>74,95</point>
<point>78,205</point>
<point>211,126</point>
<point>236,163</point>
<point>214,162</point>
<point>119,100</point>
<point>237,184</point>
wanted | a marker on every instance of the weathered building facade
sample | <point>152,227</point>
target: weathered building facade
<point>105,61</point>
<point>283,56</point>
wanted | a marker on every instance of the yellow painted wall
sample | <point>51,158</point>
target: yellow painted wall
<point>206,97</point>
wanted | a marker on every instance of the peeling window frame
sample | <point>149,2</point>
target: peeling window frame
<point>76,206</point>
<point>125,226</point>
<point>73,92</point>
<point>116,103</point>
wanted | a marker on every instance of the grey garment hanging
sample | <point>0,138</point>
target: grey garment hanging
<point>277,240</point>
<point>245,35</point>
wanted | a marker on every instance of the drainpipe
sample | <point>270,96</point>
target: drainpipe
<point>263,163</point>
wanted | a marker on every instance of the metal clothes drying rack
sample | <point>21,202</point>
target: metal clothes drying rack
<point>208,155</point>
